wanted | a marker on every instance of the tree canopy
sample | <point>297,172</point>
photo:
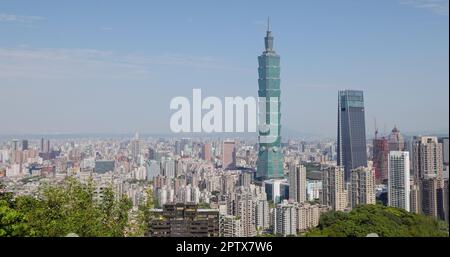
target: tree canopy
<point>64,209</point>
<point>382,220</point>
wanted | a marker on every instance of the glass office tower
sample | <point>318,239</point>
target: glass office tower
<point>270,159</point>
<point>351,134</point>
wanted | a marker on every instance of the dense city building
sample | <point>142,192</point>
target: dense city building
<point>427,158</point>
<point>135,146</point>
<point>184,220</point>
<point>285,219</point>
<point>399,188</point>
<point>333,193</point>
<point>230,226</point>
<point>362,187</point>
<point>429,200</point>
<point>262,215</point>
<point>309,215</point>
<point>297,183</point>
<point>243,205</point>
<point>427,162</point>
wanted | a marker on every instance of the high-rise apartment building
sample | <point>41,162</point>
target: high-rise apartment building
<point>427,158</point>
<point>309,215</point>
<point>229,155</point>
<point>230,226</point>
<point>245,179</point>
<point>428,174</point>
<point>285,219</point>
<point>243,205</point>
<point>168,167</point>
<point>333,193</point>
<point>351,133</point>
<point>135,148</point>
<point>270,159</point>
<point>362,186</point>
<point>262,215</point>
<point>399,188</point>
<point>297,183</point>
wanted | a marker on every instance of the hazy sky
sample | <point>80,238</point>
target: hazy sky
<point>114,66</point>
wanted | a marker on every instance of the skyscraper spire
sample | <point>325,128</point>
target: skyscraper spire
<point>268,40</point>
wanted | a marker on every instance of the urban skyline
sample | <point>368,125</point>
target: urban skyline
<point>388,58</point>
<point>195,184</point>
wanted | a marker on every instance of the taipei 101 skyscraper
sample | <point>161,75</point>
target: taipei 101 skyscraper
<point>270,159</point>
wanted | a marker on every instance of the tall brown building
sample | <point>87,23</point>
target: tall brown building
<point>380,159</point>
<point>184,220</point>
<point>429,197</point>
<point>229,155</point>
<point>206,152</point>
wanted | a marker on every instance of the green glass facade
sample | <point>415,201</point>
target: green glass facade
<point>270,158</point>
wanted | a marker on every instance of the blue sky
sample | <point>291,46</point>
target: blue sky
<point>113,66</point>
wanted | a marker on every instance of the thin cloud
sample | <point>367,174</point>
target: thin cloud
<point>29,63</point>
<point>436,6</point>
<point>4,17</point>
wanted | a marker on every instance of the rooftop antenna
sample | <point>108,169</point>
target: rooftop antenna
<point>268,23</point>
<point>376,129</point>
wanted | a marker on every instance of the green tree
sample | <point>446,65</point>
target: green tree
<point>12,222</point>
<point>72,208</point>
<point>385,221</point>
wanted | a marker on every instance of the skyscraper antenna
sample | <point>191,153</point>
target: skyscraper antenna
<point>376,129</point>
<point>268,23</point>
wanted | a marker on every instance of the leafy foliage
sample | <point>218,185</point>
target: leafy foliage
<point>385,221</point>
<point>12,222</point>
<point>67,208</point>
